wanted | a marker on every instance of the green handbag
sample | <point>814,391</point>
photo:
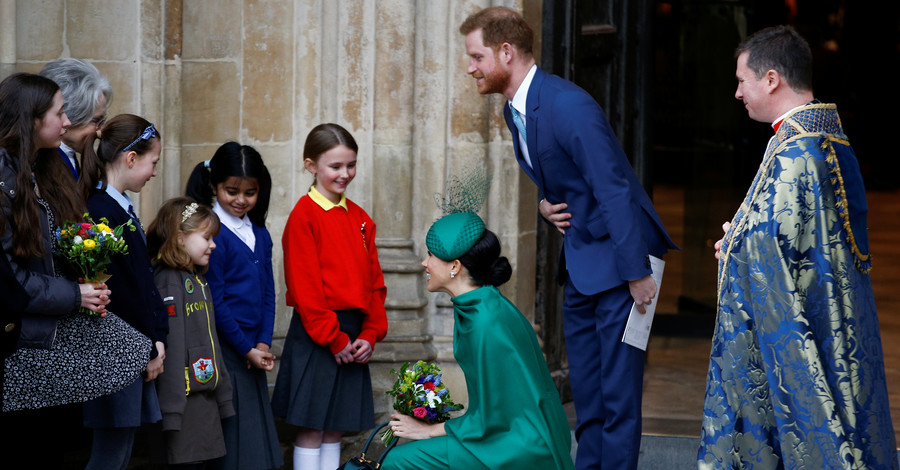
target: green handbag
<point>363,463</point>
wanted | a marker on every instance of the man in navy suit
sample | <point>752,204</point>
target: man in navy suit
<point>590,193</point>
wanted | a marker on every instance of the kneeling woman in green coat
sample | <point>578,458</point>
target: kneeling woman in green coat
<point>514,415</point>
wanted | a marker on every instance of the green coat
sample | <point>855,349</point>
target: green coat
<point>514,417</point>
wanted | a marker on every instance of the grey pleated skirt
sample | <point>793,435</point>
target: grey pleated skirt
<point>313,391</point>
<point>251,441</point>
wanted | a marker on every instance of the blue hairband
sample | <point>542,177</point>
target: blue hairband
<point>149,133</point>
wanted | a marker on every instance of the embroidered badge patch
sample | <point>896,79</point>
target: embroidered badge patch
<point>204,369</point>
<point>171,310</point>
<point>189,286</point>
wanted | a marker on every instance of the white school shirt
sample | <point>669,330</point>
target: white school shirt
<point>242,227</point>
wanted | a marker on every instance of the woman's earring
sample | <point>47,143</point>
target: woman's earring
<point>452,274</point>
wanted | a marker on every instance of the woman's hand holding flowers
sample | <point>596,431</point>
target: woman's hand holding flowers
<point>413,428</point>
<point>95,297</point>
<point>422,402</point>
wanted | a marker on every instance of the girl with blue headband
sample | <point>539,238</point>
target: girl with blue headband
<point>124,160</point>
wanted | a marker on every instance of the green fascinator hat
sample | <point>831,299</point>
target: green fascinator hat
<point>454,235</point>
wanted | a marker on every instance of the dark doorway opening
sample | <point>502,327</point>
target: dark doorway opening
<point>663,71</point>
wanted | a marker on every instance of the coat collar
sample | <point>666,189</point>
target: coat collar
<point>532,105</point>
<point>534,101</point>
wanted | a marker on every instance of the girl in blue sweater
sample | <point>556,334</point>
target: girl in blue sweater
<point>237,184</point>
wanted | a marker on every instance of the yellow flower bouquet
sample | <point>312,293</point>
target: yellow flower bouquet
<point>88,247</point>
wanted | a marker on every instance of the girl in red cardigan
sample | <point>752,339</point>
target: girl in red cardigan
<point>335,284</point>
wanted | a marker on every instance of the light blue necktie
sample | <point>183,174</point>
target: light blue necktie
<point>517,120</point>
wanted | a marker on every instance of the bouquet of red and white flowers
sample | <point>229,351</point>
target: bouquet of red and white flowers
<point>420,392</point>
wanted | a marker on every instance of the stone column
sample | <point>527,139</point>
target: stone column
<point>355,67</point>
<point>7,37</point>
<point>158,99</point>
<point>457,128</point>
<point>434,77</point>
<point>395,127</point>
<point>172,47</point>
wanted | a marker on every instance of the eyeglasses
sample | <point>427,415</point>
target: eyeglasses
<point>149,133</point>
<point>98,121</point>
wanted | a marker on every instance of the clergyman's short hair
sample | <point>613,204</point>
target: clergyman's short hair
<point>783,50</point>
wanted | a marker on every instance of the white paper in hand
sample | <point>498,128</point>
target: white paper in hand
<point>637,330</point>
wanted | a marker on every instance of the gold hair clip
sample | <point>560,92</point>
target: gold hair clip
<point>188,211</point>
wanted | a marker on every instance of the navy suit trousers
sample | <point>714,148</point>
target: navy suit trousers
<point>606,376</point>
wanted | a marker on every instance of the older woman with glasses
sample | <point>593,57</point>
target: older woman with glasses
<point>87,94</point>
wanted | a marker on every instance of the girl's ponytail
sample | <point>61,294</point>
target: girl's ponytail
<point>199,186</point>
<point>92,171</point>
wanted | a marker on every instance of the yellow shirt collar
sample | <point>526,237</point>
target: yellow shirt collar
<point>323,201</point>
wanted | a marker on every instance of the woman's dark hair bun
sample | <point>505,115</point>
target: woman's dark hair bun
<point>501,271</point>
<point>484,263</point>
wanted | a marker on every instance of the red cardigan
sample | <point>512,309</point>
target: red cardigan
<point>330,263</point>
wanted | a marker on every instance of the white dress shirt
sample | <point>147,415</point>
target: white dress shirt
<point>519,103</point>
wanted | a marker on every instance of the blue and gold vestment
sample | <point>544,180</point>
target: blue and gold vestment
<point>796,375</point>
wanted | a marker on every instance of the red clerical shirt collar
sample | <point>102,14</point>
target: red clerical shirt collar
<point>777,124</point>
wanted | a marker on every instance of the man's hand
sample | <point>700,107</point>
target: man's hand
<point>555,215</point>
<point>718,245</point>
<point>642,290</point>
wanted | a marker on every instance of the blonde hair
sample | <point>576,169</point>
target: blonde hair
<point>179,215</point>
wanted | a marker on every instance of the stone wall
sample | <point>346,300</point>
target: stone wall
<point>264,72</point>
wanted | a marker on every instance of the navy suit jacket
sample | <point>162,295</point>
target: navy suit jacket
<point>577,159</point>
